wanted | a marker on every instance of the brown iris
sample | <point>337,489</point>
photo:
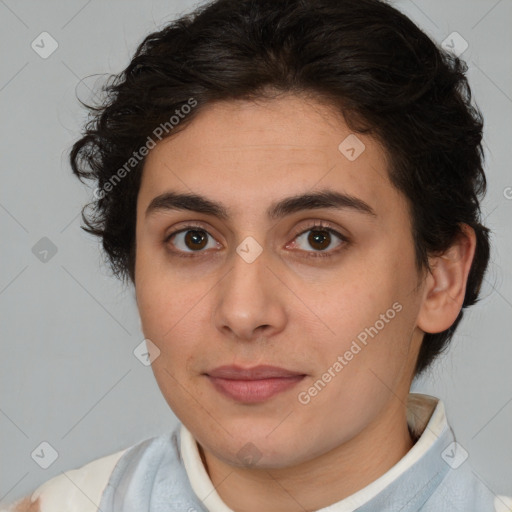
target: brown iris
<point>197,238</point>
<point>318,238</point>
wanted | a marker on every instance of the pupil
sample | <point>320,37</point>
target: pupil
<point>316,239</point>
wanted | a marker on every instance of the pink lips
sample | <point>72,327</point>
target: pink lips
<point>253,385</point>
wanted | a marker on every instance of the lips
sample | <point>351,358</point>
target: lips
<point>255,373</point>
<point>253,385</point>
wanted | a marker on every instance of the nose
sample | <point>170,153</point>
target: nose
<point>250,300</point>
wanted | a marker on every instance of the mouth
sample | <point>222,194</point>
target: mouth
<point>253,385</point>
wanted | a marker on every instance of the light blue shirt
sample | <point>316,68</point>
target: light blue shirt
<point>434,476</point>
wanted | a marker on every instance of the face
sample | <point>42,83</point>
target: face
<point>326,289</point>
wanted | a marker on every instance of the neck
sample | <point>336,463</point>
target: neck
<point>321,481</point>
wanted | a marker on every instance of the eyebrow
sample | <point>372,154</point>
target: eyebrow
<point>287,206</point>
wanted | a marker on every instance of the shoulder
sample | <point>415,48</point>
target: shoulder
<point>464,491</point>
<point>78,490</point>
<point>503,504</point>
<point>82,489</point>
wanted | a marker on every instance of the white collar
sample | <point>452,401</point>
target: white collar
<point>421,410</point>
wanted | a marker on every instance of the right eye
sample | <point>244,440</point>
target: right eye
<point>189,240</point>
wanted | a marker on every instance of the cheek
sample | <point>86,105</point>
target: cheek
<point>170,312</point>
<point>367,317</point>
<point>166,289</point>
<point>160,298</point>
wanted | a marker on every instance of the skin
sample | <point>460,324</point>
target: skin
<point>26,505</point>
<point>286,309</point>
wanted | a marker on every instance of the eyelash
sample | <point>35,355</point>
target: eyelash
<point>317,226</point>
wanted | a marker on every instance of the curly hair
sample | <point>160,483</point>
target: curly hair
<point>362,57</point>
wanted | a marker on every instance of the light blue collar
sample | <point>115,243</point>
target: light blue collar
<point>151,476</point>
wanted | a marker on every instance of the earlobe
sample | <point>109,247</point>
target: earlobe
<point>445,284</point>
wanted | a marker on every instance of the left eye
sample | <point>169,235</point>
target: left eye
<point>320,238</point>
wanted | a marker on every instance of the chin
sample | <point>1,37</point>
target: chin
<point>258,451</point>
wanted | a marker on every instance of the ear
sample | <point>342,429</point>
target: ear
<point>445,284</point>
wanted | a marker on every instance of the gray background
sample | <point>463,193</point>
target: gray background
<point>68,374</point>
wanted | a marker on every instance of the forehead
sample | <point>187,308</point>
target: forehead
<point>249,154</point>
